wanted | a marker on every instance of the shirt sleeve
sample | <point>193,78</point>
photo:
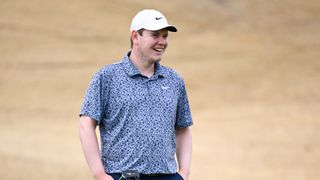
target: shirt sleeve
<point>183,117</point>
<point>92,105</point>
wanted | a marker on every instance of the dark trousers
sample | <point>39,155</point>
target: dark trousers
<point>175,176</point>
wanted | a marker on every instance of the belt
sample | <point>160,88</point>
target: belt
<point>136,175</point>
<point>152,174</point>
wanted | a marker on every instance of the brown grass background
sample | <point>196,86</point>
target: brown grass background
<point>252,71</point>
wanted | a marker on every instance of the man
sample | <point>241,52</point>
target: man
<point>142,111</point>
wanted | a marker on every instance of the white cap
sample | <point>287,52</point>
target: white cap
<point>152,20</point>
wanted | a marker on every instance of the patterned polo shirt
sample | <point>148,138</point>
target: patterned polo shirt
<point>137,116</point>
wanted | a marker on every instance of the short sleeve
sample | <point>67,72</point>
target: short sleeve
<point>92,105</point>
<point>183,117</point>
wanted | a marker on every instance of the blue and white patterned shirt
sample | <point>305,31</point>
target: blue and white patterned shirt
<point>137,116</point>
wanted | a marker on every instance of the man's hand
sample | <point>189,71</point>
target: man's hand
<point>184,174</point>
<point>103,176</point>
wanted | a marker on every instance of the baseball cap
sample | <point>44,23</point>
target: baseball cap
<point>152,20</point>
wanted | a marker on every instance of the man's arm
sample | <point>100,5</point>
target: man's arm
<point>184,151</point>
<point>90,148</point>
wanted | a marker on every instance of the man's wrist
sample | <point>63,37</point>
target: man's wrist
<point>184,172</point>
<point>99,175</point>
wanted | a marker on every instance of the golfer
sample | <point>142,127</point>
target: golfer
<point>142,111</point>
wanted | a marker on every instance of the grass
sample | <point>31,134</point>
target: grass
<point>251,70</point>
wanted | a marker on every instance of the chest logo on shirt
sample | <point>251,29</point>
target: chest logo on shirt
<point>165,87</point>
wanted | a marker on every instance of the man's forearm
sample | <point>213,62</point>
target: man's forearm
<point>184,149</point>
<point>90,146</point>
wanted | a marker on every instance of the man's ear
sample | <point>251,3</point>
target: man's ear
<point>134,36</point>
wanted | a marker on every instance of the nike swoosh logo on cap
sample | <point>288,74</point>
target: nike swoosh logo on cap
<point>158,18</point>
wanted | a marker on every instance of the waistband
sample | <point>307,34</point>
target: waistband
<point>160,174</point>
<point>138,176</point>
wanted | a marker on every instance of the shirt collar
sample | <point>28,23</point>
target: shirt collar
<point>131,70</point>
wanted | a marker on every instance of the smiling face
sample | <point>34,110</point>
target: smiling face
<point>150,45</point>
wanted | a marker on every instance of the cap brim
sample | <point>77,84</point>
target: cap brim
<point>172,28</point>
<point>168,27</point>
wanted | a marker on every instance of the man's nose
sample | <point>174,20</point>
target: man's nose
<point>162,40</point>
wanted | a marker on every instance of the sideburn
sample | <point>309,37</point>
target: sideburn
<point>140,32</point>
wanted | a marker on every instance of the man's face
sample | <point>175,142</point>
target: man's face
<point>152,44</point>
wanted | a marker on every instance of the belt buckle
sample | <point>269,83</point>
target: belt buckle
<point>130,174</point>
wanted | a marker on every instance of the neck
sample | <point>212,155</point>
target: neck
<point>144,66</point>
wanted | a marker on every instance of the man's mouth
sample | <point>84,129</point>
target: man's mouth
<point>158,49</point>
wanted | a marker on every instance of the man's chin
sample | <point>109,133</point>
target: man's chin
<point>156,59</point>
